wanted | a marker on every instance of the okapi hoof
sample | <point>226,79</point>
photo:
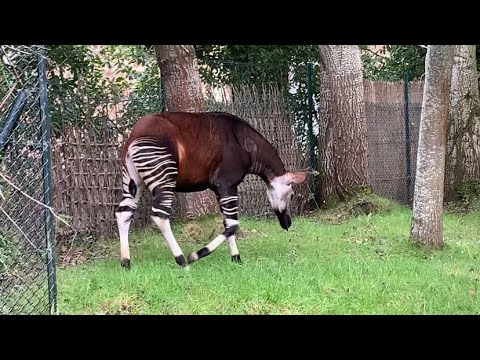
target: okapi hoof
<point>125,263</point>
<point>180,260</point>
<point>236,259</point>
<point>192,257</point>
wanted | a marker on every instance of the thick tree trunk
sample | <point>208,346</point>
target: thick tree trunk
<point>427,220</point>
<point>183,92</point>
<point>343,125</point>
<point>463,146</point>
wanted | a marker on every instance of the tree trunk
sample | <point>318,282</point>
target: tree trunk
<point>343,125</point>
<point>463,146</point>
<point>183,92</point>
<point>427,219</point>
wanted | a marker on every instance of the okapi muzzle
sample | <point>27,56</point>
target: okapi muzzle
<point>284,218</point>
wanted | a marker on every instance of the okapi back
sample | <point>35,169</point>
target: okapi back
<point>200,142</point>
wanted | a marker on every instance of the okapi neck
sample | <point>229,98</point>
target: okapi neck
<point>268,174</point>
<point>265,161</point>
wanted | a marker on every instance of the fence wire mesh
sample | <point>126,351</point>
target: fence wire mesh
<point>393,111</point>
<point>27,268</point>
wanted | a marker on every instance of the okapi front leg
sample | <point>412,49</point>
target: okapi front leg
<point>229,208</point>
<point>232,242</point>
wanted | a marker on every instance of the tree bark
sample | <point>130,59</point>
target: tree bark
<point>183,92</point>
<point>427,219</point>
<point>343,125</point>
<point>463,145</point>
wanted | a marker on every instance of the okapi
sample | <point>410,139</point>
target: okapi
<point>188,152</point>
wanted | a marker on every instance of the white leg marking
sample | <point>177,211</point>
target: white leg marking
<point>130,202</point>
<point>233,245</point>
<point>123,226</point>
<point>216,242</point>
<point>164,226</point>
<point>124,221</point>
<point>231,222</point>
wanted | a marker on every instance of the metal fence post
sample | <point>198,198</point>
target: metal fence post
<point>47,182</point>
<point>407,135</point>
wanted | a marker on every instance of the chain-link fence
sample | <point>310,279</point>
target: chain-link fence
<point>393,111</point>
<point>27,266</point>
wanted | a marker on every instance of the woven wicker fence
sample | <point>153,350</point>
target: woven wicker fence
<point>87,166</point>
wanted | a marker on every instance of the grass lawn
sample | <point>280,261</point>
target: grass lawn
<point>363,265</point>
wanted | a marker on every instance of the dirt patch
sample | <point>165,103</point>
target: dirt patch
<point>201,231</point>
<point>194,232</point>
<point>362,207</point>
<point>122,305</point>
<point>363,204</point>
<point>76,249</point>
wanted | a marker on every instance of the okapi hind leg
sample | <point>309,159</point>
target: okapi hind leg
<point>161,208</point>
<point>156,164</point>
<point>132,190</point>
<point>229,208</point>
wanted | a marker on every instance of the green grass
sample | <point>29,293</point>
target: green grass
<point>363,265</point>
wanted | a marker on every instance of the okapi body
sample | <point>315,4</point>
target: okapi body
<point>188,152</point>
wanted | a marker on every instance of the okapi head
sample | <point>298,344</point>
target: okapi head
<point>280,194</point>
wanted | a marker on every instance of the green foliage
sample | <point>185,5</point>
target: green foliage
<point>78,85</point>
<point>468,192</point>
<point>390,62</point>
<point>9,253</point>
<point>7,80</point>
<point>281,65</point>
<point>252,64</point>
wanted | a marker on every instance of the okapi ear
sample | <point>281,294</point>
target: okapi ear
<point>297,177</point>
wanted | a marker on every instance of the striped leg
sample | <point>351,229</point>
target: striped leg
<point>158,169</point>
<point>161,209</point>
<point>229,208</point>
<point>132,190</point>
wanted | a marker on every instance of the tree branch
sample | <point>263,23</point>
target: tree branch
<point>376,54</point>
<point>36,201</point>
<point>8,95</point>
<point>18,228</point>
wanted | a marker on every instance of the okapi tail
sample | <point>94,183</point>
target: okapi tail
<point>131,178</point>
<point>132,187</point>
